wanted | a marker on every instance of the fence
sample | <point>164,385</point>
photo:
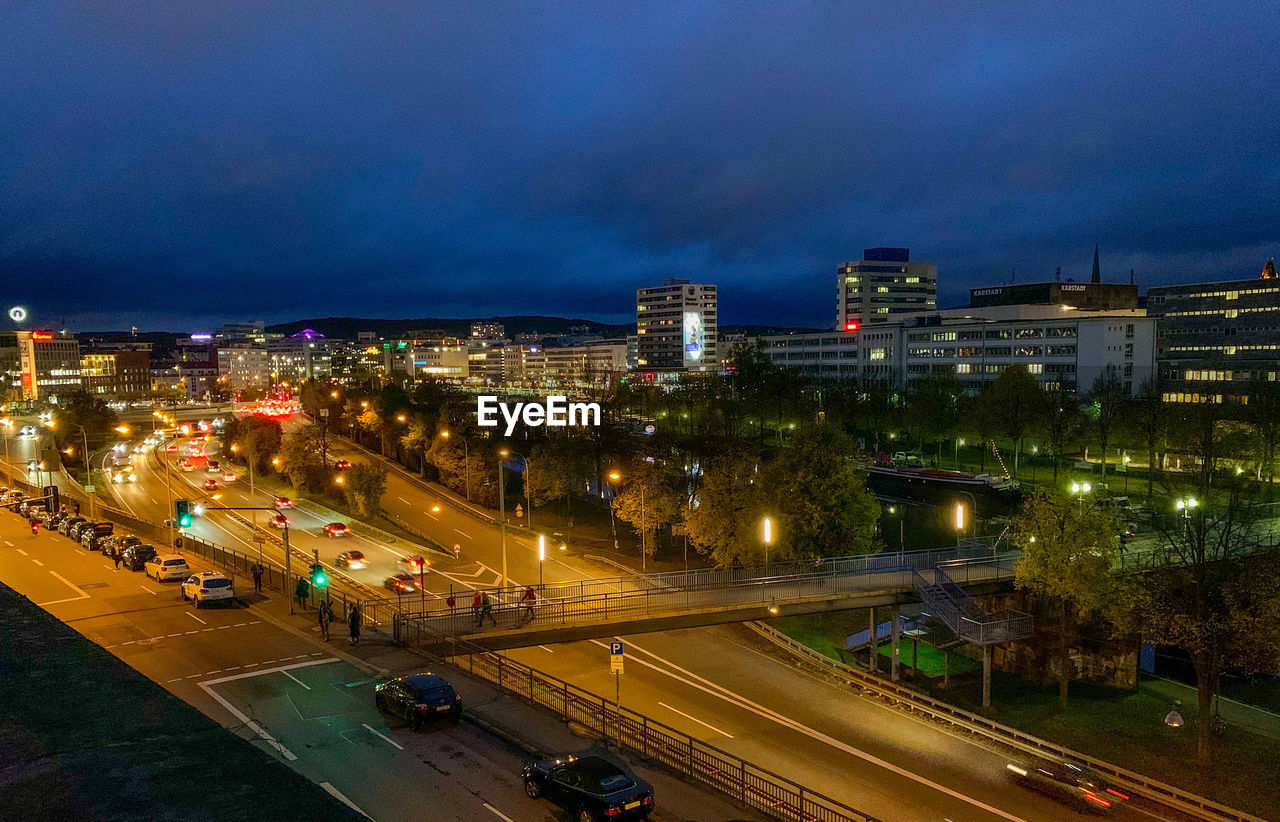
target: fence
<point>733,776</point>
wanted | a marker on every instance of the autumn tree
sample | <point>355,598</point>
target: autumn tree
<point>931,409</point>
<point>724,518</point>
<point>365,484</point>
<point>650,500</point>
<point>1015,403</point>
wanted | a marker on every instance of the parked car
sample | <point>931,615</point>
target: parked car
<point>164,567</point>
<point>92,535</point>
<point>1068,783</point>
<point>401,583</point>
<point>417,698</point>
<point>351,559</point>
<point>207,586</point>
<point>337,529</point>
<point>76,530</point>
<point>65,526</point>
<point>52,518</point>
<point>590,787</point>
<point>136,556</point>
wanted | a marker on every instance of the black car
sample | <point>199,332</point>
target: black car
<point>92,536</point>
<point>136,556</point>
<point>1070,783</point>
<point>53,518</point>
<point>64,527</point>
<point>78,528</point>
<point>591,787</point>
<point>417,698</point>
<point>120,543</point>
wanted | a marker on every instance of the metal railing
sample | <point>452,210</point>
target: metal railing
<point>962,614</point>
<point>731,775</point>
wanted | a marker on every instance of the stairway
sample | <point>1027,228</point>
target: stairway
<point>961,613</point>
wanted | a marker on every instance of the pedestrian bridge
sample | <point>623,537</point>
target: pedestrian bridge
<point>564,612</point>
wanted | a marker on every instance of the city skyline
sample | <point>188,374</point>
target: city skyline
<point>164,170</point>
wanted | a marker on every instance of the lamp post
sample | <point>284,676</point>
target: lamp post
<point>1185,505</point>
<point>528,467</point>
<point>614,476</point>
<point>502,510</point>
<point>959,442</point>
<point>768,540</point>
<point>542,556</point>
<point>8,427</point>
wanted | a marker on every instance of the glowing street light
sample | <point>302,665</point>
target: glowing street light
<point>960,517</point>
<point>768,540</point>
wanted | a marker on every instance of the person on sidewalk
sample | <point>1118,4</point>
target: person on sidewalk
<point>115,557</point>
<point>528,599</point>
<point>302,591</point>
<point>325,616</point>
<point>257,577</point>
<point>353,622</point>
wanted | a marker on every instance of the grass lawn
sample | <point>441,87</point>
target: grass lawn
<point>930,659</point>
<point>825,633</point>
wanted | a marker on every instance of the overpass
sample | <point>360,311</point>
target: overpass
<point>590,609</point>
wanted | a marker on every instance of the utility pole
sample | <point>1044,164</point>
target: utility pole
<point>287,568</point>
<point>502,508</point>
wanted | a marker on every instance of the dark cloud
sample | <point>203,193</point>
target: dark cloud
<point>166,163</point>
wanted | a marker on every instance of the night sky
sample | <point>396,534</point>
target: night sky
<point>177,164</point>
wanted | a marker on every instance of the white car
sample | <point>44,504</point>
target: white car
<point>207,586</point>
<point>164,567</point>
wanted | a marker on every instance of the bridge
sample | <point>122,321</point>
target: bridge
<point>944,578</point>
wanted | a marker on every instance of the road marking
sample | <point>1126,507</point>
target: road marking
<point>20,551</point>
<point>545,648</point>
<point>109,568</point>
<point>236,668</point>
<point>196,618</point>
<point>337,794</point>
<point>464,533</point>
<point>384,737</point>
<point>81,553</point>
<point>695,719</point>
<point>10,544</point>
<point>38,562</point>
<point>148,590</point>
<point>72,585</point>
<point>402,499</point>
<point>155,501</point>
<point>294,678</point>
<point>499,813</point>
<point>707,686</point>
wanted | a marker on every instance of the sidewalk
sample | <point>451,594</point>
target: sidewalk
<point>533,730</point>
<point>1250,717</point>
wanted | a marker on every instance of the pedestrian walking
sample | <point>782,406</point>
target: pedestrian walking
<point>77,509</point>
<point>115,557</point>
<point>486,610</point>
<point>528,599</point>
<point>326,616</point>
<point>477,608</point>
<point>302,591</point>
<point>353,623</point>
<point>257,577</point>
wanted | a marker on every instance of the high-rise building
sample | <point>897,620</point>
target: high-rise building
<point>125,373</point>
<point>485,330</point>
<point>240,331</point>
<point>884,282</point>
<point>677,327</point>
<point>50,364</point>
<point>1217,340</point>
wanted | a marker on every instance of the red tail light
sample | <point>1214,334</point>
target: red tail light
<point>1114,792</point>
<point>1097,800</point>
<point>613,810</point>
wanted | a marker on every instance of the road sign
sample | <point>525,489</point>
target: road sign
<point>615,657</point>
<point>519,510</point>
<point>615,649</point>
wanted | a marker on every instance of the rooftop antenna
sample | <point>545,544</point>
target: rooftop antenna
<point>1131,276</point>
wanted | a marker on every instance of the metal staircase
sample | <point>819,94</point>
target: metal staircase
<point>948,602</point>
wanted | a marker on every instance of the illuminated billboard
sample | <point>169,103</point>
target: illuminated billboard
<point>693,342</point>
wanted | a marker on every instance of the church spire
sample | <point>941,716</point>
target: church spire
<point>1269,270</point>
<point>1097,269</point>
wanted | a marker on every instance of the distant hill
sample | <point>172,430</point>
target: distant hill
<point>346,327</point>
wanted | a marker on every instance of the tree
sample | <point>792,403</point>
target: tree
<point>1150,417</point>
<point>1061,422</point>
<point>1069,551</point>
<point>300,460</point>
<point>1015,402</point>
<point>724,519</point>
<point>650,500</point>
<point>364,487</point>
<point>417,440</point>
<point>560,469</point>
<point>1104,408</point>
<point>257,440</point>
<point>821,500</point>
<point>82,410</point>
<point>1264,413</point>
<point>931,409</point>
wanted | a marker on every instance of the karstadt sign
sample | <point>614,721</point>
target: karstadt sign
<point>555,411</point>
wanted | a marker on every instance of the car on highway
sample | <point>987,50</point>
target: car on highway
<point>136,556</point>
<point>351,559</point>
<point>171,448</point>
<point>337,529</point>
<point>280,521</point>
<point>208,586</point>
<point>27,431</point>
<point>229,476</point>
<point>1068,783</point>
<point>284,502</point>
<point>67,524</point>
<point>342,465</point>
<point>187,465</point>
<point>401,583</point>
<point>591,787</point>
<point>213,466</point>
<point>413,565</point>
<point>164,567</point>
<point>417,698</point>
<point>210,485</point>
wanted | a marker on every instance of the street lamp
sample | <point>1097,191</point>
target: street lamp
<point>502,509</point>
<point>768,540</point>
<point>542,556</point>
<point>528,468</point>
<point>959,442</point>
<point>960,517</point>
<point>614,476</point>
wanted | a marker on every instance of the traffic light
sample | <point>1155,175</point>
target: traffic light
<point>182,512</point>
<point>318,578</point>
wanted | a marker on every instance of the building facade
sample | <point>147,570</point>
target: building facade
<point>445,359</point>
<point>50,364</point>
<point>1217,341</point>
<point>883,283</point>
<point>116,373</point>
<point>677,325</point>
<point>596,364</point>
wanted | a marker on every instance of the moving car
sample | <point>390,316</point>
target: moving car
<point>337,529</point>
<point>213,466</point>
<point>165,567</point>
<point>210,485</point>
<point>207,586</point>
<point>284,502</point>
<point>136,557</point>
<point>1069,783</point>
<point>342,465</point>
<point>417,698</point>
<point>229,476</point>
<point>280,521</point>
<point>413,565</point>
<point>590,787</point>
<point>351,559</point>
<point>401,583</point>
<point>187,465</point>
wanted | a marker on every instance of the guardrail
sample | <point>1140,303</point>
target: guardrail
<point>979,725</point>
<point>731,775</point>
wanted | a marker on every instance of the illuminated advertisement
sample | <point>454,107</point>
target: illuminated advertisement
<point>692,336</point>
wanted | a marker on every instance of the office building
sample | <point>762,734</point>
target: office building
<point>486,330</point>
<point>243,366</point>
<point>116,373</point>
<point>441,359</point>
<point>883,283</point>
<point>240,331</point>
<point>1217,340</point>
<point>49,363</point>
<point>596,364</point>
<point>677,328</point>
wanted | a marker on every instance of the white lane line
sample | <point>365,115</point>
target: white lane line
<point>81,553</point>
<point>498,813</point>
<point>402,499</point>
<point>236,668</point>
<point>383,737</point>
<point>69,583</point>
<point>695,719</point>
<point>148,590</point>
<point>337,794</point>
<point>7,542</point>
<point>187,633</point>
<point>196,618</point>
<point>548,650</point>
<point>693,680</point>
<point>38,562</point>
<point>155,501</point>
<point>248,723</point>
<point>109,568</point>
<point>20,551</point>
<point>295,679</point>
<point>464,533</point>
